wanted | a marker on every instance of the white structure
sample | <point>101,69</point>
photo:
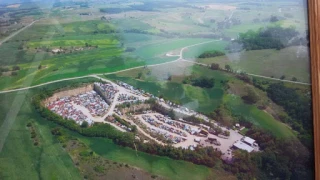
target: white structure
<point>249,141</point>
<point>243,146</point>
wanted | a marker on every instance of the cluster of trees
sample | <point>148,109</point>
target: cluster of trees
<point>209,54</point>
<point>252,96</point>
<point>203,81</point>
<point>279,159</point>
<point>123,122</point>
<point>298,108</point>
<point>202,156</point>
<point>268,38</point>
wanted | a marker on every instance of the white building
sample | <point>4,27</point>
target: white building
<point>243,146</point>
<point>249,141</point>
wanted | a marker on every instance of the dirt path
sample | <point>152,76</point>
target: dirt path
<point>15,33</point>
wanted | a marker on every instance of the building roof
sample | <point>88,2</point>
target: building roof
<point>243,146</point>
<point>249,140</point>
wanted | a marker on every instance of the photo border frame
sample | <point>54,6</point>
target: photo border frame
<point>314,30</point>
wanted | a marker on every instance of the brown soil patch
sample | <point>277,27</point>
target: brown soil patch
<point>71,92</point>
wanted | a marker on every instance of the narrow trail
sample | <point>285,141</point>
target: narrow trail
<point>15,33</point>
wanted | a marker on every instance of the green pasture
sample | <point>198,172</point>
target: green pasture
<point>257,117</point>
<point>161,166</point>
<point>291,62</point>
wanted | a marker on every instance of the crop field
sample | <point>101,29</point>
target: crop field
<point>291,62</point>
<point>48,160</point>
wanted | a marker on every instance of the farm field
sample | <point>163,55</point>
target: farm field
<point>291,62</point>
<point>49,160</point>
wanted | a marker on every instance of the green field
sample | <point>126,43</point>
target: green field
<point>161,166</point>
<point>19,158</point>
<point>291,62</point>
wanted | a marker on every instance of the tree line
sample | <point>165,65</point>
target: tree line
<point>298,108</point>
<point>209,54</point>
<point>279,159</point>
<point>274,37</point>
<point>203,81</point>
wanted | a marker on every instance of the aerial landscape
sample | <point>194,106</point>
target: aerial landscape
<point>155,89</point>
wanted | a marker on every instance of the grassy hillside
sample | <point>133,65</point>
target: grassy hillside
<point>291,62</point>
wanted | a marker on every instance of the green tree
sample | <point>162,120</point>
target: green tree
<point>15,68</point>
<point>139,75</point>
<point>84,124</point>
<point>215,66</point>
<point>227,67</point>
<point>14,73</point>
<point>252,97</point>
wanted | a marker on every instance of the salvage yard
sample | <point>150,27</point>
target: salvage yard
<point>100,102</point>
